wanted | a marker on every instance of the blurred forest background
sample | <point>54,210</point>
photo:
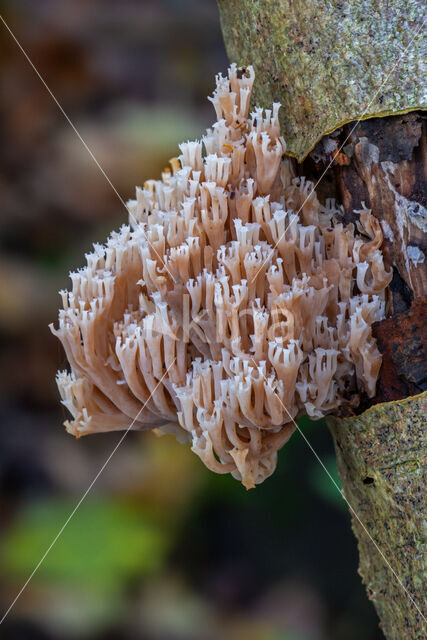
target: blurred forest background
<point>161,549</point>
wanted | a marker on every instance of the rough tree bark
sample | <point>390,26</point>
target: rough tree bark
<point>332,64</point>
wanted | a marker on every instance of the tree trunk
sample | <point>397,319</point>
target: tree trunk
<point>381,460</point>
<point>329,63</point>
<point>324,62</point>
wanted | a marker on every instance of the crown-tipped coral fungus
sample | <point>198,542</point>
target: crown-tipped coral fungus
<point>232,302</point>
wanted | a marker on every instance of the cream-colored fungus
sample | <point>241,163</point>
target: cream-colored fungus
<point>232,302</point>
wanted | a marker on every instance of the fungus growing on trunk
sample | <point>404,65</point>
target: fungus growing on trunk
<point>233,301</point>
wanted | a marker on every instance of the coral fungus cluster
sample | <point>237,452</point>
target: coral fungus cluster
<point>231,303</point>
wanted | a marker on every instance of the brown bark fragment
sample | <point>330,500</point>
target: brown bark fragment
<point>402,341</point>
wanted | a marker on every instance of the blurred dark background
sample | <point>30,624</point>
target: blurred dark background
<point>161,548</point>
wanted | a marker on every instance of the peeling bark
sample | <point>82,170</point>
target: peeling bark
<point>383,163</point>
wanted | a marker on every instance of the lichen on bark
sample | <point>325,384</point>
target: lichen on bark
<point>382,457</point>
<point>331,62</point>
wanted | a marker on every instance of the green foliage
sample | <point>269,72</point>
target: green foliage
<point>106,543</point>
